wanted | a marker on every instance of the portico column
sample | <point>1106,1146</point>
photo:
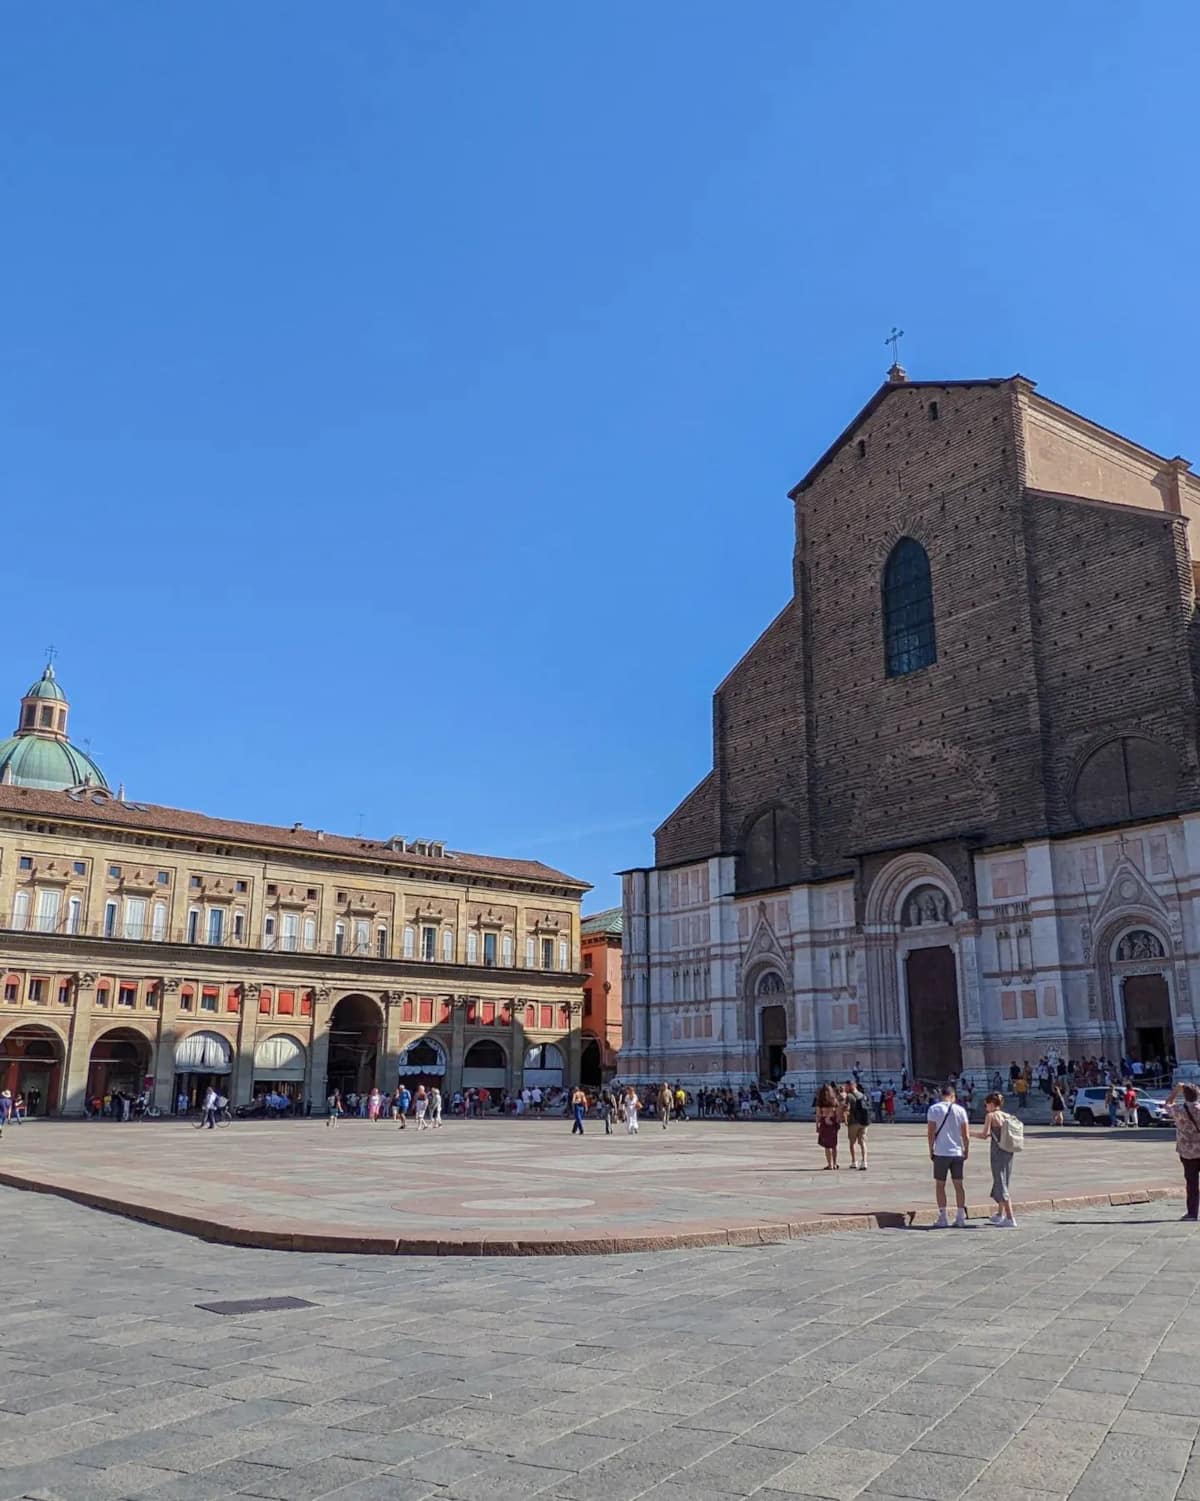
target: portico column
<point>316,1084</point>
<point>458,1036</point>
<point>574,1042</point>
<point>387,1055</point>
<point>164,1061</point>
<point>79,1047</point>
<point>242,1084</point>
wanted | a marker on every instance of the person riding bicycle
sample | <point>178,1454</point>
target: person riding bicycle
<point>212,1103</point>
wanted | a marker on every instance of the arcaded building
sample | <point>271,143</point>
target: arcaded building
<point>953,816</point>
<point>152,947</point>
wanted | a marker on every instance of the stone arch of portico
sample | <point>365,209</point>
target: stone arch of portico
<point>39,1025</point>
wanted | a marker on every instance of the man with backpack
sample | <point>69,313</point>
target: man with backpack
<point>858,1118</point>
<point>949,1134</point>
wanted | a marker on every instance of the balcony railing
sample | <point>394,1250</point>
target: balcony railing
<point>150,936</point>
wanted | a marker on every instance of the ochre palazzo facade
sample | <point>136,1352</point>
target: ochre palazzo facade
<point>147,945</point>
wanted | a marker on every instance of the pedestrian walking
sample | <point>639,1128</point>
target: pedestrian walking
<point>949,1134</point>
<point>1113,1100</point>
<point>334,1104</point>
<point>18,1109</point>
<point>877,1101</point>
<point>858,1118</point>
<point>5,1109</point>
<point>579,1108</point>
<point>1020,1089</point>
<point>435,1109</point>
<point>666,1102</point>
<point>421,1106</point>
<point>181,1103</point>
<point>1006,1137</point>
<point>210,1108</point>
<point>632,1106</point>
<point>404,1102</point>
<point>608,1110</point>
<point>1129,1100</point>
<point>829,1124</point>
<point>1184,1104</point>
<point>1057,1103</point>
<point>374,1100</point>
<point>680,1103</point>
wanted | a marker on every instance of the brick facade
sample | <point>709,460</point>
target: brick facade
<point>1062,698</point>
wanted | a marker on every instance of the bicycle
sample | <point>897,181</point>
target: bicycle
<point>221,1117</point>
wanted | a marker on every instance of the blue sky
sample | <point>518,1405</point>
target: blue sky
<point>399,400</point>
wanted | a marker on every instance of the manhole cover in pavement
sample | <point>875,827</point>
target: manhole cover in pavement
<point>256,1305</point>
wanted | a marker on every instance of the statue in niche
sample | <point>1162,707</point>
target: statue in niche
<point>1139,944</point>
<point>926,907</point>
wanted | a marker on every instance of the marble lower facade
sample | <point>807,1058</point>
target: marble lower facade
<point>939,960</point>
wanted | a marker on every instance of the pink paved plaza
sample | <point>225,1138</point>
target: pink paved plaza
<point>511,1186</point>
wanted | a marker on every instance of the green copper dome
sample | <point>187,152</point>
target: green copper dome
<point>55,765</point>
<point>47,687</point>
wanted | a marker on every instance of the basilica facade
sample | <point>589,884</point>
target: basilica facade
<point>953,817</point>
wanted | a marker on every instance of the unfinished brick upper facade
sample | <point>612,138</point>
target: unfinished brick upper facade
<point>1061,700</point>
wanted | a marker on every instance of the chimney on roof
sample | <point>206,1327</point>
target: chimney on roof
<point>321,835</point>
<point>120,792</point>
<point>296,827</point>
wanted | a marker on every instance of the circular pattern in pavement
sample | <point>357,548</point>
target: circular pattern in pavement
<point>522,1204</point>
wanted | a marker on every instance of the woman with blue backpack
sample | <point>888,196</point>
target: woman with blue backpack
<point>1006,1136</point>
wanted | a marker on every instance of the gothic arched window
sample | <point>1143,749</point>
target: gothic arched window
<point>908,636</point>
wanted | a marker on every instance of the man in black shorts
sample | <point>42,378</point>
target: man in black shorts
<point>949,1133</point>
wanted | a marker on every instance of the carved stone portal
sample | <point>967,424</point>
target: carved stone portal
<point>927,906</point>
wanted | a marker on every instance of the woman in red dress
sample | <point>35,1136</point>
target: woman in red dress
<point>829,1124</point>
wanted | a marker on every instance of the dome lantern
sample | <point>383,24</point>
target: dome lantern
<point>38,753</point>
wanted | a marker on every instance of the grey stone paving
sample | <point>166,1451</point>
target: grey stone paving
<point>1057,1361</point>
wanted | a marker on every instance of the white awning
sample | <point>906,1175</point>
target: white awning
<point>203,1053</point>
<point>424,1056</point>
<point>279,1057</point>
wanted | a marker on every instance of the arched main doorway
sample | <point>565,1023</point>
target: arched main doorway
<point>1139,960</point>
<point>31,1063</point>
<point>119,1060</point>
<point>772,1027</point>
<point>354,1036</point>
<point>934,1029</point>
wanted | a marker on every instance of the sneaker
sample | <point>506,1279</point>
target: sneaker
<point>996,1219</point>
<point>960,1221</point>
<point>1005,1224</point>
<point>941,1223</point>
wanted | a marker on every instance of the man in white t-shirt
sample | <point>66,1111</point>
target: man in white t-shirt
<point>949,1133</point>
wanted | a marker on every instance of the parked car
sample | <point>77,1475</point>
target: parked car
<point>1090,1108</point>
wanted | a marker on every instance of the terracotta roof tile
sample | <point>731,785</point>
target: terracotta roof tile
<point>93,806</point>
